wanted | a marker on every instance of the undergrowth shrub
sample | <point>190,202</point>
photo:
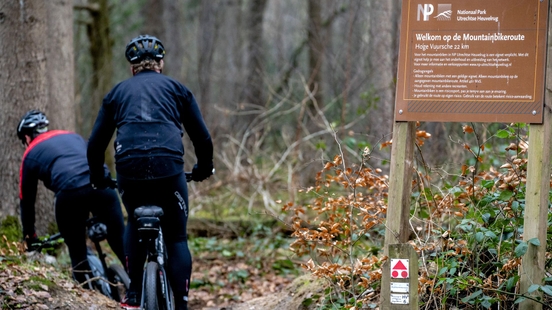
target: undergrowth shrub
<point>467,228</point>
<point>340,231</point>
<point>470,234</point>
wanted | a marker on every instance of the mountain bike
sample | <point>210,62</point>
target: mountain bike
<point>157,293</point>
<point>112,280</point>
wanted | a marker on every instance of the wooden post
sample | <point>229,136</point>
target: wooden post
<point>398,212</point>
<point>400,292</point>
<point>536,209</point>
<point>536,194</point>
<point>400,184</point>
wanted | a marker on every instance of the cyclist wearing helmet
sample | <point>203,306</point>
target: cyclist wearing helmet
<point>149,112</point>
<point>58,159</point>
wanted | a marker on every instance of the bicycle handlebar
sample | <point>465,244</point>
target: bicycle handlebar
<point>47,243</point>
<point>188,178</point>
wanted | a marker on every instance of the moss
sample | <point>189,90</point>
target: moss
<point>10,235</point>
<point>9,259</point>
<point>52,228</point>
<point>11,228</point>
<point>36,283</point>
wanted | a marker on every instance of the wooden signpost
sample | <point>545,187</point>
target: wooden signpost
<point>470,61</point>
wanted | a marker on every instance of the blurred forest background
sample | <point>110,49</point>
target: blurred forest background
<point>283,85</point>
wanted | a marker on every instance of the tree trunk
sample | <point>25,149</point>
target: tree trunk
<point>60,107</point>
<point>152,11</point>
<point>101,45</point>
<point>207,38</point>
<point>234,35</point>
<point>36,74</point>
<point>60,66</point>
<point>316,51</point>
<point>253,87</point>
<point>384,38</point>
<point>172,38</point>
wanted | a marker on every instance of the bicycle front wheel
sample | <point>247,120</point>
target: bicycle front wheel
<point>98,273</point>
<point>119,282</point>
<point>151,287</point>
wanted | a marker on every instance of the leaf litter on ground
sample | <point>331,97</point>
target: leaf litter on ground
<point>39,281</point>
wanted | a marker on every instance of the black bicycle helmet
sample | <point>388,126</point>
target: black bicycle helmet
<point>34,122</point>
<point>144,47</point>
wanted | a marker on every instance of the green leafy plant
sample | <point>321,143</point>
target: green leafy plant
<point>473,250</point>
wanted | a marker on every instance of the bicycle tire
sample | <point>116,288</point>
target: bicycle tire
<point>100,282</point>
<point>151,287</point>
<point>119,281</point>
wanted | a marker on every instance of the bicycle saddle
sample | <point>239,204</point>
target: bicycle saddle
<point>97,230</point>
<point>148,211</point>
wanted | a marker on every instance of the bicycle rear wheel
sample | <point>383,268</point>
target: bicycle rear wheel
<point>119,282</point>
<point>151,287</point>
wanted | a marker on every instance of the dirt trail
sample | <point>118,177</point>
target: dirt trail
<point>44,286</point>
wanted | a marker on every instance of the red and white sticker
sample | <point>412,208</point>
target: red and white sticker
<point>399,268</point>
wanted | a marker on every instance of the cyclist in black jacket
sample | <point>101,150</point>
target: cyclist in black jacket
<point>58,159</point>
<point>149,111</point>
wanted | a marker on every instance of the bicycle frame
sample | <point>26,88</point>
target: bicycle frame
<point>97,232</point>
<point>104,274</point>
<point>150,232</point>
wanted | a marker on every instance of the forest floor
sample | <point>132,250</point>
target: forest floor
<point>237,283</point>
<point>30,283</point>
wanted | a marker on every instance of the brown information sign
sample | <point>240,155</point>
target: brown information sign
<point>472,60</point>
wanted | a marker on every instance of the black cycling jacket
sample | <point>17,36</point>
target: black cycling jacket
<point>148,111</point>
<point>58,159</point>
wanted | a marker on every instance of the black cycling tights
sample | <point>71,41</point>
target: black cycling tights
<point>73,208</point>
<point>171,194</point>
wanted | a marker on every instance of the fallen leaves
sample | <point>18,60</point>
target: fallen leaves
<point>34,286</point>
<point>227,282</point>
